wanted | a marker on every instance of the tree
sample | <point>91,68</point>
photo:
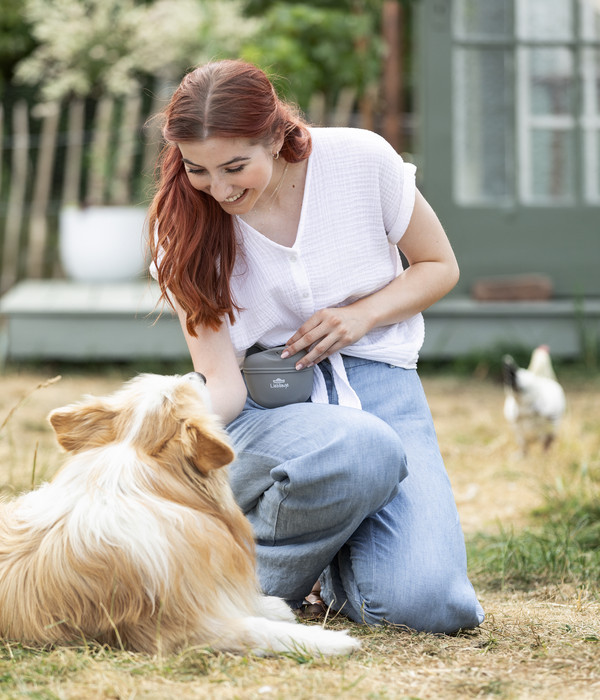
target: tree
<point>16,40</point>
<point>323,46</point>
<point>100,47</point>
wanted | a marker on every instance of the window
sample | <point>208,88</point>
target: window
<point>526,102</point>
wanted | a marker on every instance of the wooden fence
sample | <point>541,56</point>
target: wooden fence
<point>81,152</point>
<point>86,152</point>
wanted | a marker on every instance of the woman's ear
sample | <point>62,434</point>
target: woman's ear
<point>277,144</point>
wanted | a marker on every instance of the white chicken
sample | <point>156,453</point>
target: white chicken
<point>534,401</point>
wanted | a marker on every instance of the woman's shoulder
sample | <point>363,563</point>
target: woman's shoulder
<point>350,140</point>
<point>346,134</point>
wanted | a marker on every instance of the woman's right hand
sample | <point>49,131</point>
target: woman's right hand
<point>328,331</point>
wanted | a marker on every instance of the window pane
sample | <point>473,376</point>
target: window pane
<point>552,165</point>
<point>545,19</point>
<point>591,61</point>
<point>476,18</point>
<point>592,165</point>
<point>551,81</point>
<point>483,116</point>
<point>590,19</point>
<point>595,188</point>
<point>591,123</point>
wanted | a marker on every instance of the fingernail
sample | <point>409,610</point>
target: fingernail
<point>285,354</point>
<point>299,366</point>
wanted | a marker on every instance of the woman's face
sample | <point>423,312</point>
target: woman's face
<point>236,172</point>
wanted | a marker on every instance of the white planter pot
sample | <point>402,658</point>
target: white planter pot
<point>103,243</point>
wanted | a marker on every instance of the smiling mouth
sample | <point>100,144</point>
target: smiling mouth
<point>235,197</point>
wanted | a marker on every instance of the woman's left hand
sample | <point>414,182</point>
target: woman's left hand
<point>326,332</point>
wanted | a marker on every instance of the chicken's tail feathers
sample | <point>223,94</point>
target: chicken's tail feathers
<point>509,372</point>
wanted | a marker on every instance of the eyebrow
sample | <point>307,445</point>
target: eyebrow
<point>237,159</point>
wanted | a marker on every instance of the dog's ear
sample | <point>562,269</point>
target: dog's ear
<point>207,448</point>
<point>83,426</point>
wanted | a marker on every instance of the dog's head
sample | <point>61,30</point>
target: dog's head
<point>159,416</point>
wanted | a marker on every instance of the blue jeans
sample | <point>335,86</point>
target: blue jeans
<point>360,499</point>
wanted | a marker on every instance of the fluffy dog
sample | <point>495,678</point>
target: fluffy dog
<point>137,542</point>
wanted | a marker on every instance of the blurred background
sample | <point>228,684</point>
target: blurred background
<point>497,103</point>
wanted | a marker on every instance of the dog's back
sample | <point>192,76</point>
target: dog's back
<point>94,555</point>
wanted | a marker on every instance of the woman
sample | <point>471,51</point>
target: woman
<point>272,233</point>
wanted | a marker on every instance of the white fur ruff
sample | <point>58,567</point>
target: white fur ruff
<point>137,541</point>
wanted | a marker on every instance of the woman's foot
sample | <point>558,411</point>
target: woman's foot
<point>313,608</point>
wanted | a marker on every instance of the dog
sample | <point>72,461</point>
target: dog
<point>137,542</point>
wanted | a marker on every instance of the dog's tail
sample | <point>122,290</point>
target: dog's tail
<point>275,636</point>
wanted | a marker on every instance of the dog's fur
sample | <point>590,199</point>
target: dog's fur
<point>137,542</point>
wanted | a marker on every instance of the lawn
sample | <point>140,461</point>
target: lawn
<point>533,532</point>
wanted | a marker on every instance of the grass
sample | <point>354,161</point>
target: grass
<point>562,546</point>
<point>533,533</point>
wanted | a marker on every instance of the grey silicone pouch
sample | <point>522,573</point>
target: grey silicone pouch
<point>273,381</point>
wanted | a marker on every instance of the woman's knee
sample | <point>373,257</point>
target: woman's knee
<point>434,606</point>
<point>324,463</point>
<point>358,454</point>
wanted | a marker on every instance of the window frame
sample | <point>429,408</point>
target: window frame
<point>582,123</point>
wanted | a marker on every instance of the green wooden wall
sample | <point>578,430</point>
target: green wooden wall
<point>520,232</point>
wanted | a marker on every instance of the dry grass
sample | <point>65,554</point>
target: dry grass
<point>539,643</point>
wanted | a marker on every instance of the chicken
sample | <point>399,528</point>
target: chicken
<point>534,401</point>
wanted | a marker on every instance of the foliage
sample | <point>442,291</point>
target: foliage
<point>260,7</point>
<point>94,47</point>
<point>16,40</point>
<point>318,48</point>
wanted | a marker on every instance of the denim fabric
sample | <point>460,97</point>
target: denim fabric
<point>326,490</point>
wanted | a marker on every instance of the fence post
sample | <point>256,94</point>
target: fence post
<point>100,152</point>
<point>120,191</point>
<point>316,109</point>
<point>74,152</point>
<point>1,142</point>
<point>342,115</point>
<point>16,197</point>
<point>38,223</point>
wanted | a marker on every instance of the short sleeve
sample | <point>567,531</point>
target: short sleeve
<point>406,196</point>
<point>397,188</point>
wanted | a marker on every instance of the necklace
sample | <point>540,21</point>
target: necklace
<point>277,188</point>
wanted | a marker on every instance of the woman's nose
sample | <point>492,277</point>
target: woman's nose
<point>219,189</point>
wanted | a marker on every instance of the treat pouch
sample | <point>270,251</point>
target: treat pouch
<point>273,381</point>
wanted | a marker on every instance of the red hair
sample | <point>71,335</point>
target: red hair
<point>192,239</point>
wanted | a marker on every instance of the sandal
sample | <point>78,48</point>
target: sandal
<point>313,608</point>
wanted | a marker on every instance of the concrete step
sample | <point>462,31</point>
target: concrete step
<point>65,320</point>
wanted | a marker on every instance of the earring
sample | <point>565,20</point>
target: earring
<point>276,155</point>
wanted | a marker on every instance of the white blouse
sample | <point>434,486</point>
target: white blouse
<point>358,199</point>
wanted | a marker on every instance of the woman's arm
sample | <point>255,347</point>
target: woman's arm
<point>433,272</point>
<point>213,355</point>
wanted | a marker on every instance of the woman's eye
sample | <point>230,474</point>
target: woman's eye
<point>201,171</point>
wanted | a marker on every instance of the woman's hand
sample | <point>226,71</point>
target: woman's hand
<point>326,332</point>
